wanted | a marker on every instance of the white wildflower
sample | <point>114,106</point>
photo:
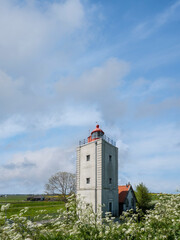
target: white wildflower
<point>5,207</point>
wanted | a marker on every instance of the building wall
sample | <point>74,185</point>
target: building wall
<point>110,170</point>
<point>129,197</point>
<point>99,169</point>
<point>89,169</point>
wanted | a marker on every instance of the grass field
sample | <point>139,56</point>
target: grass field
<point>13,198</point>
<point>18,202</point>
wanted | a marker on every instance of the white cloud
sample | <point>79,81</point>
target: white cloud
<point>73,103</point>
<point>95,83</point>
<point>26,109</point>
<point>12,95</point>
<point>11,127</point>
<point>8,87</point>
<point>30,33</point>
<point>69,14</point>
<point>154,158</point>
<point>69,116</point>
<point>158,142</point>
<point>97,86</point>
<point>79,116</point>
<point>17,98</point>
<point>123,153</point>
<point>28,28</point>
<point>33,168</point>
<point>151,97</point>
<point>150,108</point>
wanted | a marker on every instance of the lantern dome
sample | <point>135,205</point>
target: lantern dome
<point>95,134</point>
<point>97,129</point>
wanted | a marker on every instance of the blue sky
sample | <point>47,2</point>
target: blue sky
<point>65,65</point>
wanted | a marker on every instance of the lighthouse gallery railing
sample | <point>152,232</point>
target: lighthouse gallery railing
<point>107,139</point>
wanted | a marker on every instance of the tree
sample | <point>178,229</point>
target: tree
<point>61,183</point>
<point>143,197</point>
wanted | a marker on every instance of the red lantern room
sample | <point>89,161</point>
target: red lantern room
<point>95,134</point>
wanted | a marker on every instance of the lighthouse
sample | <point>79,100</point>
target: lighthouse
<point>97,171</point>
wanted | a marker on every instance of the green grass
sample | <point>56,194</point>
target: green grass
<point>35,203</point>
<point>19,202</point>
<point>13,198</point>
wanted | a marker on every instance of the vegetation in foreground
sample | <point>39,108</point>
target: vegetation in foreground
<point>163,222</point>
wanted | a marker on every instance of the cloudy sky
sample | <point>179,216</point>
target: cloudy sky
<point>67,64</point>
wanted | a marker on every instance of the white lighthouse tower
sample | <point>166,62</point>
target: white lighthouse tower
<point>97,171</point>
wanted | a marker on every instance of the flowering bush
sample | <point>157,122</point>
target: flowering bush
<point>79,221</point>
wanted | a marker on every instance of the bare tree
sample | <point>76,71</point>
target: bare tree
<point>61,183</point>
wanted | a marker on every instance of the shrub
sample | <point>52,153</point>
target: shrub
<point>143,197</point>
<point>79,222</point>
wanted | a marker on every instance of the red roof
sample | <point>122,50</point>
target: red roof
<point>123,191</point>
<point>97,129</point>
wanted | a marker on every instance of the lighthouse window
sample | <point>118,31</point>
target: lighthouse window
<point>110,158</point>
<point>87,180</point>
<point>88,158</point>
<point>94,135</point>
<point>110,206</point>
<point>110,180</point>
